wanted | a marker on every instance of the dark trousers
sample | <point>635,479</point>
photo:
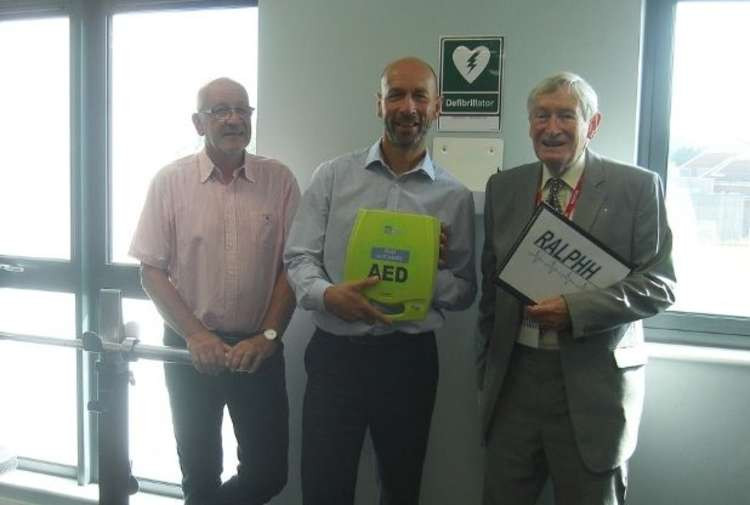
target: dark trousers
<point>259,410</point>
<point>384,383</point>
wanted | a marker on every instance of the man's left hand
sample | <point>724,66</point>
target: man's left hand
<point>551,314</point>
<point>247,355</point>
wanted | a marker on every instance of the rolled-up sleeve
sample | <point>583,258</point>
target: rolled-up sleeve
<point>153,241</point>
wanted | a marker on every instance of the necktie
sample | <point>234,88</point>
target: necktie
<point>553,198</point>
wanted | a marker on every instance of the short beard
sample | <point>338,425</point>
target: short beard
<point>416,140</point>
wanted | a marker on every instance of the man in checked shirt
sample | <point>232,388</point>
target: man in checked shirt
<point>209,241</point>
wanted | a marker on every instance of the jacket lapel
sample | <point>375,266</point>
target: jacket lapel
<point>592,192</point>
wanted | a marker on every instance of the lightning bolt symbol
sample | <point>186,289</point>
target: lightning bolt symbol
<point>472,61</point>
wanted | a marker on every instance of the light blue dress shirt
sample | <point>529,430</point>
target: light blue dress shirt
<point>316,248</point>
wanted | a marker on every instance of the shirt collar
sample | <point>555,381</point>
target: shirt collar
<point>571,176</point>
<point>206,167</point>
<point>375,156</point>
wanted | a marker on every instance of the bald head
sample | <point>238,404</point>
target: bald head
<point>208,93</point>
<point>408,102</point>
<point>410,66</point>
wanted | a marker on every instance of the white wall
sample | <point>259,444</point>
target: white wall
<point>693,447</point>
<point>320,61</point>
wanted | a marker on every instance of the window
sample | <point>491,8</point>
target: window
<point>152,446</point>
<point>151,123</point>
<point>44,410</point>
<point>35,100</point>
<point>39,289</point>
<point>152,102</point>
<point>91,112</point>
<point>709,157</point>
<point>693,132</point>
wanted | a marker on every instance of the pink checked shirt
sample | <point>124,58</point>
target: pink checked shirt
<point>220,245</point>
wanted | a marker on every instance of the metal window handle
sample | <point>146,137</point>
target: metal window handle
<point>15,269</point>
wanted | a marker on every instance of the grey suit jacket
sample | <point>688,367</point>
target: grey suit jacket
<point>603,354</point>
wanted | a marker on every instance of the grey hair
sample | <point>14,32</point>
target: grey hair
<point>573,83</point>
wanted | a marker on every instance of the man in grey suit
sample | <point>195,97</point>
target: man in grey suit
<point>562,382</point>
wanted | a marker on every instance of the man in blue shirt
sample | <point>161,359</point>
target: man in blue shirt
<point>365,371</point>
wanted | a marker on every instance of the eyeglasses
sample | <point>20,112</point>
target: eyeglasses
<point>223,112</point>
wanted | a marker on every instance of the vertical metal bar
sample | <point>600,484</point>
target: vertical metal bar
<point>83,424</point>
<point>92,183</point>
<point>114,460</point>
<point>113,380</point>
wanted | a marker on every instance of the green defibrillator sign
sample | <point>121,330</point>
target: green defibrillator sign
<point>470,75</point>
<point>402,250</point>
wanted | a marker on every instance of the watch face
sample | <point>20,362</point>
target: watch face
<point>270,334</point>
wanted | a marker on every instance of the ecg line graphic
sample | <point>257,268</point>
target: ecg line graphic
<point>552,266</point>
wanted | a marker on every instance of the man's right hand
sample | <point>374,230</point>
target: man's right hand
<point>347,302</point>
<point>208,352</point>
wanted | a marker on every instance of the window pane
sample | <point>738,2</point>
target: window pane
<point>152,445</point>
<point>44,313</point>
<point>709,159</point>
<point>144,314</point>
<point>152,101</point>
<point>38,393</point>
<point>35,133</point>
<point>39,401</point>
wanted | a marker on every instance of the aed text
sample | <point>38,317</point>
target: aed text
<point>389,273</point>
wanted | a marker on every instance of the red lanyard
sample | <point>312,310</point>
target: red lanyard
<point>573,198</point>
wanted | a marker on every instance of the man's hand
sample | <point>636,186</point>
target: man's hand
<point>208,352</point>
<point>347,301</point>
<point>247,355</point>
<point>551,314</point>
<point>443,245</point>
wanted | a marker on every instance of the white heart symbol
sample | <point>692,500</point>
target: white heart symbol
<point>470,63</point>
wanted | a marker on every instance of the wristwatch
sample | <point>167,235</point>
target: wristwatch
<point>269,333</point>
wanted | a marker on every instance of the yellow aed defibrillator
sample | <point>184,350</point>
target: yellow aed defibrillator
<point>401,249</point>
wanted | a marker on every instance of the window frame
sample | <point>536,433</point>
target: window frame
<point>653,152</point>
